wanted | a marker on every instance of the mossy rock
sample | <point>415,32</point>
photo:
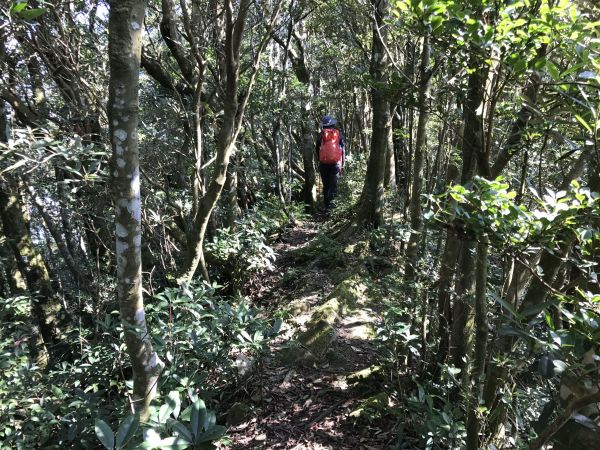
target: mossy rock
<point>351,292</point>
<point>371,408</point>
<point>323,252</point>
<point>329,312</point>
<point>310,346</point>
<point>366,380</point>
<point>298,306</point>
<point>365,331</point>
<point>318,336</point>
<point>358,249</point>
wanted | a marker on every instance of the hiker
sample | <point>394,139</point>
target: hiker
<point>330,151</point>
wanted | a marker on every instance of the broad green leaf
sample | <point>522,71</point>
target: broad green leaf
<point>164,412</point>
<point>104,434</point>
<point>127,429</point>
<point>18,7</point>
<point>173,443</point>
<point>174,402</point>
<point>553,70</point>
<point>507,306</point>
<point>198,416</point>
<point>216,432</point>
<point>180,429</point>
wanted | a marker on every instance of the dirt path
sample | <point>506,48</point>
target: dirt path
<point>307,405</point>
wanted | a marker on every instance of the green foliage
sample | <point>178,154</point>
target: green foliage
<point>169,428</point>
<point>201,335</point>
<point>385,239</point>
<point>201,332</point>
<point>245,251</point>
<point>438,421</point>
<point>489,207</point>
<point>323,252</point>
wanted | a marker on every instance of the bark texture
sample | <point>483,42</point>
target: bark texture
<point>126,20</point>
<point>414,208</point>
<point>371,213</point>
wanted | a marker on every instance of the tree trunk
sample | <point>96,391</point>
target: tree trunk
<point>415,215</point>
<point>472,149</point>
<point>126,20</point>
<point>390,163</point>
<point>233,113</point>
<point>308,158</point>
<point>480,352</point>
<point>45,304</point>
<point>371,209</point>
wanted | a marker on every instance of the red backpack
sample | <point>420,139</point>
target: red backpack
<point>330,152</point>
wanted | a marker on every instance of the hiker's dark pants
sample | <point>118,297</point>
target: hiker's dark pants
<point>329,174</point>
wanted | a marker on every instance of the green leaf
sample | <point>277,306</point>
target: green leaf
<point>216,432</point>
<point>277,325</point>
<point>174,402</point>
<point>507,306</point>
<point>58,393</point>
<point>31,14</point>
<point>173,443</point>
<point>198,416</point>
<point>18,7</point>
<point>553,70</point>
<point>164,412</point>
<point>582,121</point>
<point>127,429</point>
<point>180,429</point>
<point>104,434</point>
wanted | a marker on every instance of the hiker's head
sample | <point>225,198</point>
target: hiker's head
<point>328,122</point>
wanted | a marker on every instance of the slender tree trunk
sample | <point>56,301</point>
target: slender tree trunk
<point>232,208</point>
<point>519,126</point>
<point>415,215</point>
<point>371,209</point>
<point>233,113</point>
<point>534,295</point>
<point>472,149</point>
<point>83,281</point>
<point>390,163</point>
<point>308,159</point>
<point>480,352</point>
<point>126,21</point>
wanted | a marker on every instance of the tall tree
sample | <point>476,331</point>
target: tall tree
<point>126,20</point>
<point>415,214</point>
<point>371,213</point>
<point>234,106</point>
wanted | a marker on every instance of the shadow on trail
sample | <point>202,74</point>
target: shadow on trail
<point>308,406</point>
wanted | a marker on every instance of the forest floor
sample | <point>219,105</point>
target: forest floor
<point>313,387</point>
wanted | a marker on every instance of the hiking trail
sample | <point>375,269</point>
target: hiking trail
<point>311,388</point>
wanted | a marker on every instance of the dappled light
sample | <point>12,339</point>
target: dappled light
<point>284,224</point>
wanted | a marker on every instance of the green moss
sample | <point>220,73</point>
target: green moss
<point>351,292</point>
<point>328,312</point>
<point>372,407</point>
<point>323,252</point>
<point>310,346</point>
<point>298,306</point>
<point>366,380</point>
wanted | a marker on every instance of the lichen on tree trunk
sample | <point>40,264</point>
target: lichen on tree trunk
<point>126,20</point>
